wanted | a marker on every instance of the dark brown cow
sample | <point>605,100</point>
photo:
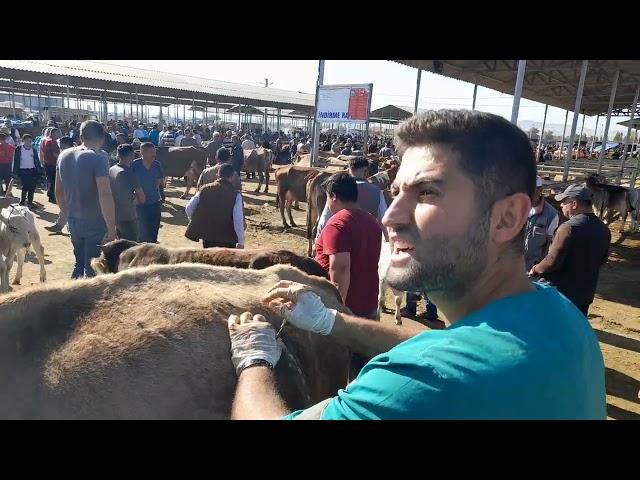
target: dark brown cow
<point>119,255</point>
<point>152,343</point>
<point>258,160</point>
<point>182,162</point>
<point>291,183</point>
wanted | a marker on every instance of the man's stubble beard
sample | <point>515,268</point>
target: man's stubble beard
<point>443,264</point>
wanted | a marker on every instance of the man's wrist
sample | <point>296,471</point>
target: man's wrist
<point>253,363</point>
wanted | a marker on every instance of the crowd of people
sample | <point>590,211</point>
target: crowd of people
<point>468,228</point>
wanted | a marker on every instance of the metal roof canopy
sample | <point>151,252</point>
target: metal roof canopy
<point>245,109</point>
<point>633,123</point>
<point>101,76</point>
<point>392,113</point>
<point>552,82</point>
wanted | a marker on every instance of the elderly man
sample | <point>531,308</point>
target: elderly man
<point>541,225</point>
<point>211,174</point>
<point>578,251</point>
<point>514,350</point>
<point>213,146</point>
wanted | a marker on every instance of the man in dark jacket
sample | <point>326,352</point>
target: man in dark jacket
<point>237,154</point>
<point>215,213</point>
<point>26,165</point>
<point>580,247</point>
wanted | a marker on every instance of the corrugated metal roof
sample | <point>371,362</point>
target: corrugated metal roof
<point>149,81</point>
<point>553,82</point>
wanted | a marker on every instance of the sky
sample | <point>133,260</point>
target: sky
<point>392,84</point>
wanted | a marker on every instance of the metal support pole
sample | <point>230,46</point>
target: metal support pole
<point>279,120</point>
<point>522,65</point>
<point>581,131</point>
<point>564,130</point>
<point>193,107</point>
<point>39,107</point>
<point>626,140</point>
<point>13,99</point>
<point>574,122</point>
<point>544,123</point>
<point>176,112</point>
<point>605,134</point>
<point>137,106</point>
<point>595,133</point>
<point>184,115</point>
<point>475,92</point>
<point>415,106</point>
<point>68,100</point>
<point>316,125</point>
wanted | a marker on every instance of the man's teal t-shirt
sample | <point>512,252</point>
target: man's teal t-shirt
<point>529,356</point>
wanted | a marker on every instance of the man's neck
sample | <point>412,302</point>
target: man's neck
<point>500,279</point>
<point>146,160</point>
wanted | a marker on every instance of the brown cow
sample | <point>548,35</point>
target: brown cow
<point>152,343</point>
<point>291,183</point>
<point>121,254</point>
<point>183,162</point>
<point>258,159</point>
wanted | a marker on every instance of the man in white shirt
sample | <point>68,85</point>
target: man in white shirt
<point>179,138</point>
<point>215,213</point>
<point>12,132</point>
<point>27,166</point>
<point>247,143</point>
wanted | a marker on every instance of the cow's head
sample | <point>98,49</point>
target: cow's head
<point>110,257</point>
<point>17,225</point>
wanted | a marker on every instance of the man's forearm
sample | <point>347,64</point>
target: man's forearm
<point>368,337</point>
<point>342,278</point>
<point>108,211</point>
<point>60,200</point>
<point>257,396</point>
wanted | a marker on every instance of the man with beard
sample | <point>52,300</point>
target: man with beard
<point>541,225</point>
<point>514,350</point>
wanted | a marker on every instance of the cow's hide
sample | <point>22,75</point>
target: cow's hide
<point>151,343</point>
<point>177,161</point>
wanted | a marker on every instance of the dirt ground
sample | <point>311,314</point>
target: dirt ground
<point>614,315</point>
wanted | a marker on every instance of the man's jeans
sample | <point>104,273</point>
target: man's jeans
<point>86,237</point>
<point>148,222</point>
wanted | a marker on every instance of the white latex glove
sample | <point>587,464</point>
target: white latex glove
<point>301,306</point>
<point>252,338</point>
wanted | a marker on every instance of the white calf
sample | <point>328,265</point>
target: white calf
<point>383,266</point>
<point>17,233</point>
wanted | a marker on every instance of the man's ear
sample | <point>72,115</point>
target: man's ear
<point>508,216</point>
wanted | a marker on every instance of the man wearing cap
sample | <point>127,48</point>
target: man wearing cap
<point>541,225</point>
<point>579,248</point>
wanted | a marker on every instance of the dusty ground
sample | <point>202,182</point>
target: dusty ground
<point>614,315</point>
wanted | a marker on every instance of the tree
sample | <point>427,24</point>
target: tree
<point>618,137</point>
<point>548,135</point>
<point>534,132</point>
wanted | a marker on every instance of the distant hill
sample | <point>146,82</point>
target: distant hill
<point>556,128</point>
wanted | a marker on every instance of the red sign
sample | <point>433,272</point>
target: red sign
<point>358,104</point>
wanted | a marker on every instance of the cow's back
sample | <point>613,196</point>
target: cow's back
<point>150,343</point>
<point>176,161</point>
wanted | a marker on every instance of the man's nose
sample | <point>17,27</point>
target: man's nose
<point>399,212</point>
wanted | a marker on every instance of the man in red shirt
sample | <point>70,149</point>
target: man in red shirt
<point>349,249</point>
<point>50,152</point>
<point>6,162</point>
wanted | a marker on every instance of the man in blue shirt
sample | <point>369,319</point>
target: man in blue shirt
<point>514,349</point>
<point>154,135</point>
<point>149,176</point>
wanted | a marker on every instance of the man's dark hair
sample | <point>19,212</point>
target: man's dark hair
<point>356,163</point>
<point>496,154</point>
<point>27,135</point>
<point>125,149</point>
<point>223,155</point>
<point>66,140</point>
<point>91,130</point>
<point>343,186</point>
<point>226,171</point>
<point>54,130</point>
<point>147,145</point>
<point>493,152</point>
<point>388,144</point>
<point>3,135</point>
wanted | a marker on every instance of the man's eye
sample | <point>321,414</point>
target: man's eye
<point>427,192</point>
